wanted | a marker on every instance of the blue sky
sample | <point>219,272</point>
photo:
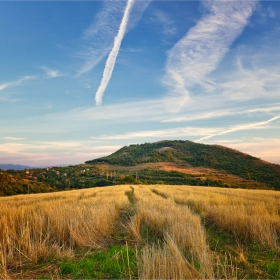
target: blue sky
<point>79,80</point>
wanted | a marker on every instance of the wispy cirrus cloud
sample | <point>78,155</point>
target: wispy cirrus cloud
<point>223,113</point>
<point>17,82</point>
<point>168,26</point>
<point>9,138</point>
<point>164,133</point>
<point>239,128</point>
<point>38,153</point>
<point>199,52</point>
<point>51,73</point>
<point>152,110</point>
<point>247,84</point>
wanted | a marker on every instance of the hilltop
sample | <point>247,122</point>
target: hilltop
<point>194,158</point>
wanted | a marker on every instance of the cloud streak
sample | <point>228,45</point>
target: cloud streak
<point>110,63</point>
<point>50,73</point>
<point>241,127</point>
<point>199,52</point>
<point>38,153</point>
<point>248,84</point>
<point>164,133</point>
<point>16,83</point>
<point>221,113</point>
<point>9,138</point>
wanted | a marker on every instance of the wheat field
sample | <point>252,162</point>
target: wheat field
<point>171,229</point>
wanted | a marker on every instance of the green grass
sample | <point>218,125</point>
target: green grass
<point>163,195</point>
<point>260,262</point>
<point>130,195</point>
<point>117,262</point>
<point>273,268</point>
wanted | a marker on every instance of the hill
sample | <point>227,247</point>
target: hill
<point>16,182</point>
<point>14,167</point>
<point>188,155</point>
<point>164,162</point>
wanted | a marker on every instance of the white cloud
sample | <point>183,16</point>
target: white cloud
<point>152,110</point>
<point>248,84</point>
<point>130,111</point>
<point>9,99</point>
<point>168,26</point>
<point>12,138</point>
<point>38,153</point>
<point>174,132</point>
<point>50,73</point>
<point>239,110</point>
<point>52,146</point>
<point>199,52</point>
<point>17,82</point>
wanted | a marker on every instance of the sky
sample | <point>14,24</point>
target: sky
<point>81,79</point>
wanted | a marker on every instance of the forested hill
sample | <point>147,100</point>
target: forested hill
<point>14,182</point>
<point>194,154</point>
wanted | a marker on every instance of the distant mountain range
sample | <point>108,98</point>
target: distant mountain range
<point>187,155</point>
<point>22,167</point>
<point>14,167</point>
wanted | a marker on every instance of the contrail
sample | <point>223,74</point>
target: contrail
<point>110,63</point>
<point>242,127</point>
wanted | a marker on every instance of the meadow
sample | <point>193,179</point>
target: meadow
<point>139,231</point>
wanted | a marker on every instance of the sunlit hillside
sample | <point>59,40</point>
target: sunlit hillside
<point>146,232</point>
<point>217,162</point>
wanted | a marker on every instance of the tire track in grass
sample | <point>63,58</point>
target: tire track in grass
<point>119,233</point>
<point>181,227</point>
<point>116,258</point>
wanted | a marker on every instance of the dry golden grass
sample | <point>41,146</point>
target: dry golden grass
<point>166,262</point>
<point>252,214</point>
<point>36,227</point>
<point>173,221</point>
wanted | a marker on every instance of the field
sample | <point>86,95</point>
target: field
<point>137,231</point>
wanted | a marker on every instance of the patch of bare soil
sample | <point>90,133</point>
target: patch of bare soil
<point>166,149</point>
<point>202,173</point>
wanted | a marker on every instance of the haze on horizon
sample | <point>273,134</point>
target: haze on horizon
<point>204,71</point>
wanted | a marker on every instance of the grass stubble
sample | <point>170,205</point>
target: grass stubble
<point>174,232</point>
<point>36,228</point>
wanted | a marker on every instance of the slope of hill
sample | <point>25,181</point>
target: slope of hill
<point>17,183</point>
<point>189,154</point>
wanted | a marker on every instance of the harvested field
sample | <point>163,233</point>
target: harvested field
<point>146,232</point>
